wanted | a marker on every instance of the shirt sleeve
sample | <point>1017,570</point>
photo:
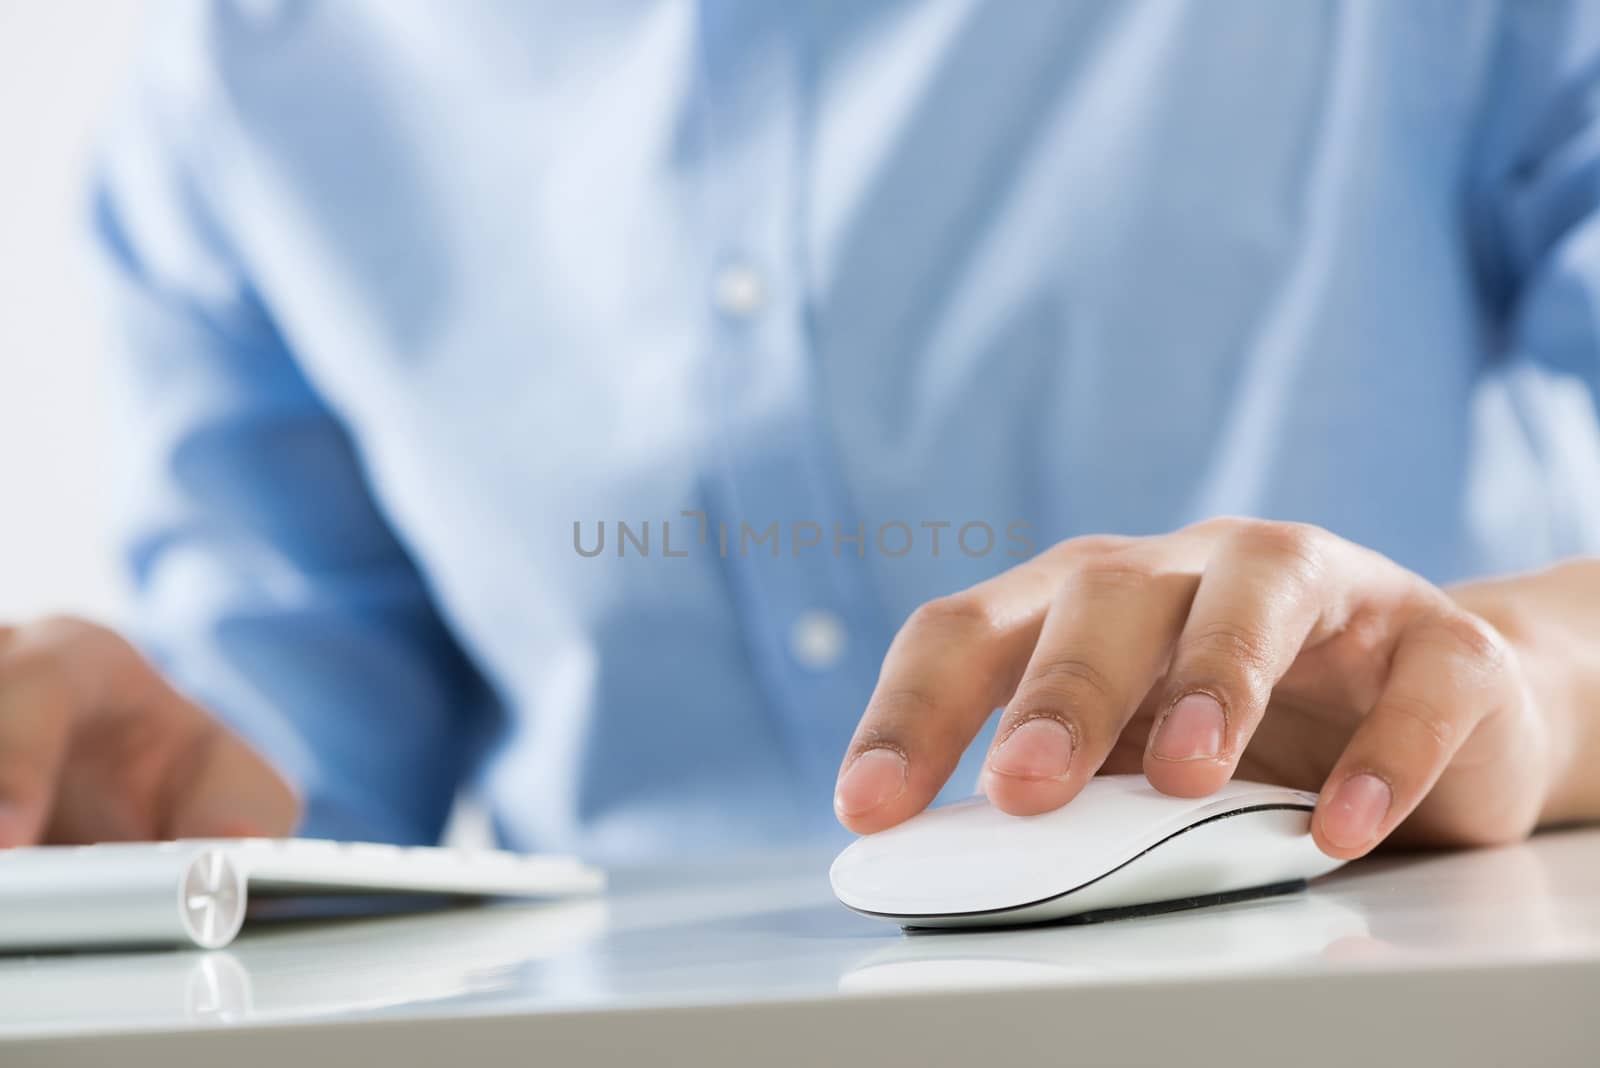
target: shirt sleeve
<point>266,582</point>
<point>1536,188</point>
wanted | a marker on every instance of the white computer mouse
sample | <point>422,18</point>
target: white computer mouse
<point>1119,845</point>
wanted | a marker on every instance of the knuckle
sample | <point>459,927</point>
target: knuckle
<point>1092,545</point>
<point>1469,638</point>
<point>1422,722</point>
<point>1113,573</point>
<point>53,650</point>
<point>896,717</point>
<point>1298,547</point>
<point>1227,649</point>
<point>53,635</point>
<point>33,660</point>
<point>1219,524</point>
<point>65,629</point>
<point>907,718</point>
<point>961,625</point>
<point>1064,681</point>
<point>958,615</point>
<point>902,705</point>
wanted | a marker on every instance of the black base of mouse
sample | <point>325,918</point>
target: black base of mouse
<point>1128,912</point>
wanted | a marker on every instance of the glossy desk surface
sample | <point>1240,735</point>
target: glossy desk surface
<point>1457,958</point>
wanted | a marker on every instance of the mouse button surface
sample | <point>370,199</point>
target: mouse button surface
<point>970,856</point>
<point>953,854</point>
<point>950,859</point>
<point>1251,794</point>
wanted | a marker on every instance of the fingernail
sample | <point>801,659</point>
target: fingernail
<point>1039,749</point>
<point>872,780</point>
<point>1192,730</point>
<point>1351,819</point>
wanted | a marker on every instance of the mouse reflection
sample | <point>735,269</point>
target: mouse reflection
<point>1238,937</point>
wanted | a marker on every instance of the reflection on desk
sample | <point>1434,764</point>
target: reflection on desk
<point>1242,936</point>
<point>299,970</point>
<point>765,930</point>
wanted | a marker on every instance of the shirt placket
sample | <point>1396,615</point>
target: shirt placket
<point>812,616</point>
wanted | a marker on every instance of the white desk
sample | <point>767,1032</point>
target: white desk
<point>1486,958</point>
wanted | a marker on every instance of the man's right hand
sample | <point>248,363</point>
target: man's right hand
<point>96,746</point>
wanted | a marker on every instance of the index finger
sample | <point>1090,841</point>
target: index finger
<point>954,662</point>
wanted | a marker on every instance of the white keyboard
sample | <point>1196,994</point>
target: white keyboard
<point>194,892</point>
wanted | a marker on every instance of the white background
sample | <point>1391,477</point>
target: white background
<point>60,62</point>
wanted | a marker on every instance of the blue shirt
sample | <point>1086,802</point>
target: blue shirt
<point>420,301</point>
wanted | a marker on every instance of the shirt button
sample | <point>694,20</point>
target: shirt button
<point>739,290</point>
<point>261,12</point>
<point>817,640</point>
